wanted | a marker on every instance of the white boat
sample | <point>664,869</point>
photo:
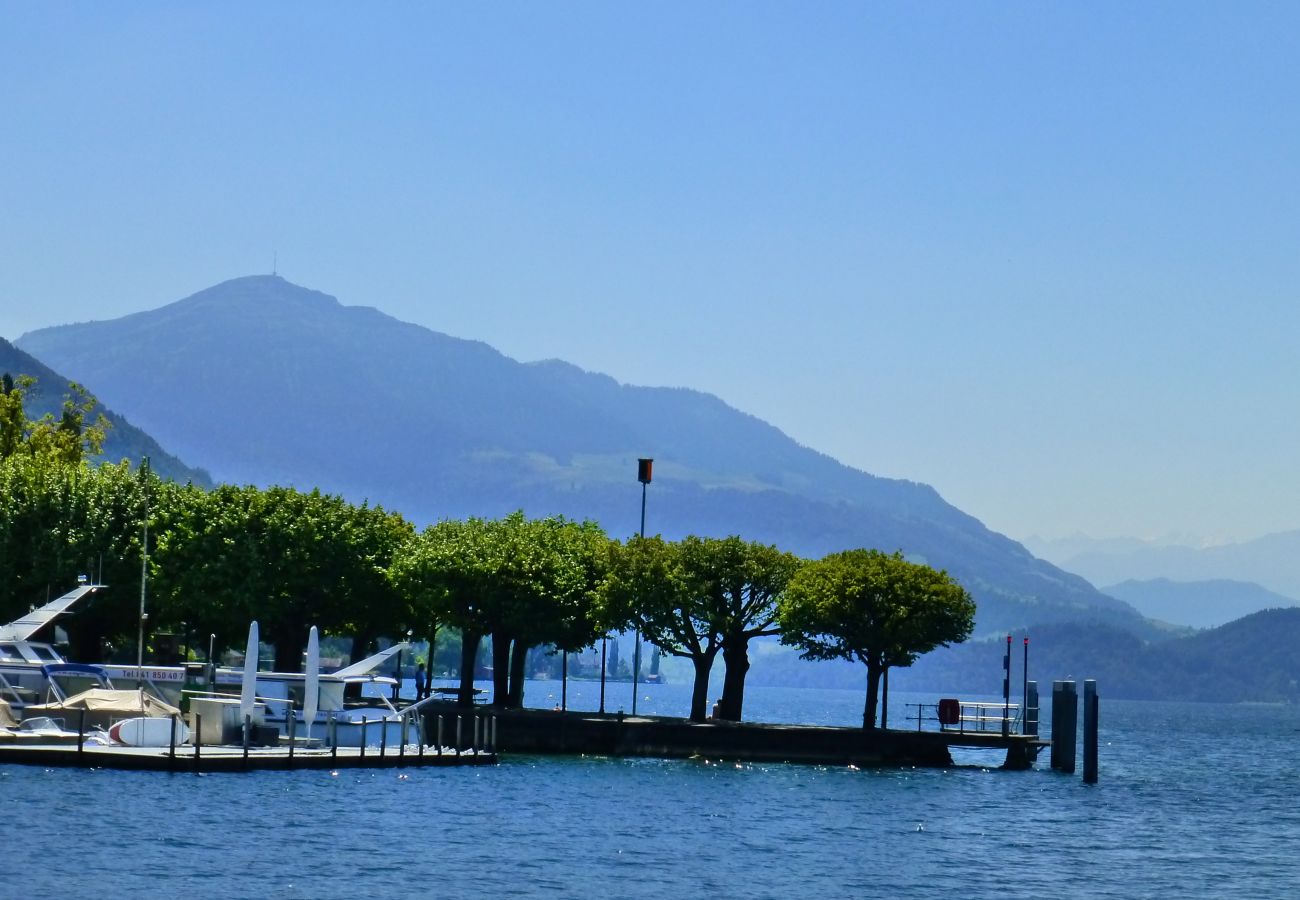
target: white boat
<point>33,672</point>
<point>353,705</point>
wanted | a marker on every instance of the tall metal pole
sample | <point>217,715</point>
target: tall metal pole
<point>144,565</point>
<point>636,647</point>
<point>1024,688</point>
<point>644,469</point>
<point>1006,690</point>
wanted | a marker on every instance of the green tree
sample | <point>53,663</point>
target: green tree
<point>876,608</point>
<point>448,574</point>
<point>739,583</point>
<point>524,582</point>
<point>288,558</point>
<point>71,438</point>
<point>652,587</point>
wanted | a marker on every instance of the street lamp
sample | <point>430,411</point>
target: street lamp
<point>644,471</point>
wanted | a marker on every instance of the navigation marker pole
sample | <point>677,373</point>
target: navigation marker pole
<point>644,471</point>
<point>144,570</point>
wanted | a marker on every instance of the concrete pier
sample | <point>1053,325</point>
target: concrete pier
<point>546,731</point>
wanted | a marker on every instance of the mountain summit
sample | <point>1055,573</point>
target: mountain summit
<point>259,380</point>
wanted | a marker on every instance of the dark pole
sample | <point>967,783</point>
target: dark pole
<point>1006,689</point>
<point>1024,689</point>
<point>644,473</point>
<point>603,642</point>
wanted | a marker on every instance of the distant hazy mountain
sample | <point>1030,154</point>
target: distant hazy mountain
<point>1251,659</point>
<point>1200,604</point>
<point>124,440</point>
<point>1272,561</point>
<point>262,381</point>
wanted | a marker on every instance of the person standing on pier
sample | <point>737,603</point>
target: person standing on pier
<point>421,683</point>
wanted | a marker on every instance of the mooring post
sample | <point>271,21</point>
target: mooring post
<point>171,746</point>
<point>494,734</point>
<point>248,727</point>
<point>475,745</point>
<point>1090,709</point>
<point>1058,704</point>
<point>383,737</point>
<point>364,722</point>
<point>1031,708</point>
<point>1065,729</point>
<point>334,739</point>
<point>439,744</point>
<point>459,720</point>
<point>198,735</point>
<point>293,721</point>
<point>421,734</point>
<point>81,731</point>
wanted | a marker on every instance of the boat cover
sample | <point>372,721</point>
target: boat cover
<point>7,719</point>
<point>124,703</point>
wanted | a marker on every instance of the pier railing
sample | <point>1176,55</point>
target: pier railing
<point>975,717</point>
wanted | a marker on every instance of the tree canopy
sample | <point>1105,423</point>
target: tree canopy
<point>876,608</point>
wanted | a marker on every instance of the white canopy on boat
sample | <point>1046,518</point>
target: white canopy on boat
<point>125,703</point>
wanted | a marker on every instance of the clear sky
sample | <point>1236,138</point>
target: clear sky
<point>1041,256</point>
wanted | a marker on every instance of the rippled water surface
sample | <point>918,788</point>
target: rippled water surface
<point>1194,800</point>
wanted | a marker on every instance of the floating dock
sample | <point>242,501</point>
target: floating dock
<point>236,759</point>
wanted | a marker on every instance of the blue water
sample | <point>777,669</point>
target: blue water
<point>1193,800</point>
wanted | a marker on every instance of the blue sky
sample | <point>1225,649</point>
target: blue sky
<point>1041,256</point>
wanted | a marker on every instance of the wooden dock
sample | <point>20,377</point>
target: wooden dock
<point>236,759</point>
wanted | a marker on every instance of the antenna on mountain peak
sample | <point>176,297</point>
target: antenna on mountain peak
<point>275,262</point>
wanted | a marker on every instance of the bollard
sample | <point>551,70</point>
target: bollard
<point>1065,726</point>
<point>1058,704</point>
<point>1090,709</point>
<point>1031,708</point>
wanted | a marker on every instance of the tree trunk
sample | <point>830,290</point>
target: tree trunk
<point>433,650</point>
<point>289,646</point>
<point>361,641</point>
<point>500,669</point>
<point>518,670</point>
<point>700,692</point>
<point>884,697</point>
<point>873,690</point>
<point>736,658</point>
<point>468,655</point>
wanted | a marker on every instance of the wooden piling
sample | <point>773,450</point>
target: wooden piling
<point>1090,710</point>
<point>1065,726</point>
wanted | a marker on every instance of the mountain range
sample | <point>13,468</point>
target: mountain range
<point>1200,604</point>
<point>1271,561</point>
<point>261,381</point>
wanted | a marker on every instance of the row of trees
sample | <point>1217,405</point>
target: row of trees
<point>292,559</point>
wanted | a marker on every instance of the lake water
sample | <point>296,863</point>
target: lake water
<point>1193,800</point>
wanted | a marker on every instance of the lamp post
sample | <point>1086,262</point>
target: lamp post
<point>144,572</point>
<point>644,471</point>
